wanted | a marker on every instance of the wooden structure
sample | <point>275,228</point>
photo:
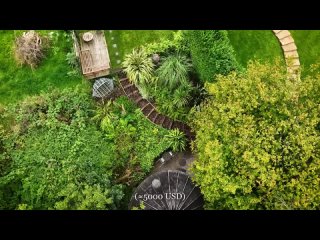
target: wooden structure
<point>94,56</point>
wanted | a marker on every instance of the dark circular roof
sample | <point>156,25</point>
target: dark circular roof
<point>167,190</point>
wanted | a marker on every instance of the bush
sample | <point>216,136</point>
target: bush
<point>29,48</point>
<point>258,141</point>
<point>174,71</point>
<point>211,53</point>
<point>177,140</point>
<point>60,160</point>
<point>138,66</point>
<point>167,47</point>
<point>74,63</point>
<point>136,141</point>
<point>174,104</point>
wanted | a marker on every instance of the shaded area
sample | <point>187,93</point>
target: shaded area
<point>174,161</point>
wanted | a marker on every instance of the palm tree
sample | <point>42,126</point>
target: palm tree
<point>138,66</point>
<point>177,140</point>
<point>174,71</point>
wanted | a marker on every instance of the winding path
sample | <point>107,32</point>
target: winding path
<point>289,49</point>
<point>150,111</point>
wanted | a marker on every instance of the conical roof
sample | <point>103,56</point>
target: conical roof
<point>167,190</point>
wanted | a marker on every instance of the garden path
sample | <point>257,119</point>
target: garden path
<point>150,111</point>
<point>290,51</point>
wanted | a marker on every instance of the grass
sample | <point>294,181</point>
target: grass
<point>17,82</point>
<point>126,40</point>
<point>255,44</point>
<point>308,44</point>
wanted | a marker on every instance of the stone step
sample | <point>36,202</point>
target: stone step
<point>293,62</point>
<point>152,115</point>
<point>145,106</point>
<point>289,47</point>
<point>134,92</point>
<point>161,122</point>
<point>127,86</point>
<point>293,69</point>
<point>286,40</point>
<point>137,100</point>
<point>151,112</point>
<point>276,31</point>
<point>293,54</point>
<point>282,34</point>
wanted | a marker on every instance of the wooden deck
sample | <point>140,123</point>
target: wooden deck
<point>94,56</point>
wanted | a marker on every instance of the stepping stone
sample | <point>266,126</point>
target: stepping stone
<point>110,31</point>
<point>276,31</point>
<point>282,34</point>
<point>114,45</point>
<point>293,54</point>
<point>117,53</point>
<point>289,47</point>
<point>286,40</point>
<point>293,70</point>
<point>112,38</point>
<point>293,62</point>
<point>118,61</point>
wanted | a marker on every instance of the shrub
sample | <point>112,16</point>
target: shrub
<point>74,63</point>
<point>258,141</point>
<point>29,48</point>
<point>135,141</point>
<point>174,103</point>
<point>61,160</point>
<point>174,71</point>
<point>177,140</point>
<point>138,66</point>
<point>211,53</point>
<point>166,47</point>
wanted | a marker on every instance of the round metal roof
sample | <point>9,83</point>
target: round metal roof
<point>167,190</point>
<point>102,87</point>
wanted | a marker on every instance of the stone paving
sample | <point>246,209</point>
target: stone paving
<point>290,51</point>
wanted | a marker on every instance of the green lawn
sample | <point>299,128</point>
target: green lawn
<point>255,44</point>
<point>126,40</point>
<point>17,82</point>
<point>308,44</point>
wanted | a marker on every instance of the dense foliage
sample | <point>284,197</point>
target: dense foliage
<point>59,159</point>
<point>166,46</point>
<point>174,71</point>
<point>258,141</point>
<point>136,141</point>
<point>64,153</point>
<point>138,66</point>
<point>211,53</point>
